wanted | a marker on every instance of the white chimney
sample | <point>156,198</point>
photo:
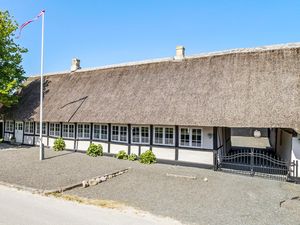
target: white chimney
<point>75,64</point>
<point>180,52</point>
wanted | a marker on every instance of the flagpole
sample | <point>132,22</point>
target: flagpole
<point>41,91</point>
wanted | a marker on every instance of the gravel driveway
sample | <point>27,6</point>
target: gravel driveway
<point>224,199</point>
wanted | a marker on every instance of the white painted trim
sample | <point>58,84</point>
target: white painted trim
<point>83,132</point>
<point>5,127</point>
<point>140,134</point>
<point>62,129</point>
<point>119,133</point>
<point>25,123</point>
<point>54,135</point>
<point>190,137</point>
<point>100,133</point>
<point>164,135</point>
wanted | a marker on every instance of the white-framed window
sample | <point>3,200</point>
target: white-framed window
<point>100,132</point>
<point>44,128</point>
<point>119,133</point>
<point>29,127</point>
<point>140,134</point>
<point>68,130</point>
<point>54,129</point>
<point>84,131</point>
<point>9,126</point>
<point>190,137</point>
<point>164,135</point>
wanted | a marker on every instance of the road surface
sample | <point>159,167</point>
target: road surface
<point>24,208</point>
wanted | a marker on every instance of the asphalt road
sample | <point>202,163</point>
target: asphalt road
<point>24,208</point>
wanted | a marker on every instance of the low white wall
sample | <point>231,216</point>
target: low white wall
<point>37,140</point>
<point>104,145</point>
<point>51,141</point>
<point>196,156</point>
<point>7,136</point>
<point>134,150</point>
<point>115,148</point>
<point>28,140</point>
<point>82,145</point>
<point>69,144</point>
<point>164,153</point>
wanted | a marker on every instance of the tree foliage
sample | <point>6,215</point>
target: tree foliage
<point>11,70</point>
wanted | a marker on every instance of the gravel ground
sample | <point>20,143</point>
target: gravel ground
<point>224,199</point>
<point>23,167</point>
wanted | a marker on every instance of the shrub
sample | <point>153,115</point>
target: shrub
<point>147,157</point>
<point>122,155</point>
<point>59,144</point>
<point>132,157</point>
<point>95,150</point>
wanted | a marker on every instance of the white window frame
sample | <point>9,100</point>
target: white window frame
<point>37,126</point>
<point>83,131</point>
<point>190,129</point>
<point>164,135</point>
<point>100,131</point>
<point>56,132</point>
<point>140,134</point>
<point>10,127</point>
<point>68,131</point>
<point>119,133</point>
<point>28,125</point>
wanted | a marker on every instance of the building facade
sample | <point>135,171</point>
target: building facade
<point>182,107</point>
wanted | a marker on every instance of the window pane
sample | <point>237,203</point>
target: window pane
<point>115,133</point>
<point>57,129</point>
<point>158,135</point>
<point>145,135</point>
<point>96,131</point>
<point>65,131</point>
<point>169,136</point>
<point>51,129</point>
<point>123,133</point>
<point>86,131</point>
<point>184,137</point>
<point>80,131</point>
<point>136,135</point>
<point>104,132</point>
<point>196,137</point>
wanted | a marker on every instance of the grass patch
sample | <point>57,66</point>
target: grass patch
<point>96,202</point>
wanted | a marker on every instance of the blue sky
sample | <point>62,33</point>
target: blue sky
<point>115,31</point>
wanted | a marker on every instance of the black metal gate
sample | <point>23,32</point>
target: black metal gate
<point>252,162</point>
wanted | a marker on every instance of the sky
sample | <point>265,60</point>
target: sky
<point>116,31</point>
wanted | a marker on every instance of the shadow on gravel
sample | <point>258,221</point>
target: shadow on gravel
<point>63,154</point>
<point>6,146</point>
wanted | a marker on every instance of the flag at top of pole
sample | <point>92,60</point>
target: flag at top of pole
<point>41,14</point>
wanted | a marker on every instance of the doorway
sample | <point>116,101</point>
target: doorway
<point>19,132</point>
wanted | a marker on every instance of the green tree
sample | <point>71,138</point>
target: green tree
<point>11,70</point>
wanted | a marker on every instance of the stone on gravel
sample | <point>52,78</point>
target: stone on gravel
<point>85,183</point>
<point>205,179</point>
<point>102,179</point>
<point>93,182</point>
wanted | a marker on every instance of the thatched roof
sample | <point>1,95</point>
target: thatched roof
<point>241,88</point>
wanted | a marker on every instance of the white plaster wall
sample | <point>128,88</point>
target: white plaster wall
<point>104,145</point>
<point>208,142</point>
<point>163,153</point>
<point>134,150</point>
<point>69,144</point>
<point>196,156</point>
<point>51,141</point>
<point>28,140</point>
<point>7,136</point>
<point>296,151</point>
<point>82,145</point>
<point>144,148</point>
<point>115,148</point>
<point>37,140</point>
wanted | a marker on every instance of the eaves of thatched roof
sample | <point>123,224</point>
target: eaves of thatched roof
<point>239,88</point>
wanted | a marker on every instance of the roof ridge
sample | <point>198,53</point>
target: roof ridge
<point>166,59</point>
